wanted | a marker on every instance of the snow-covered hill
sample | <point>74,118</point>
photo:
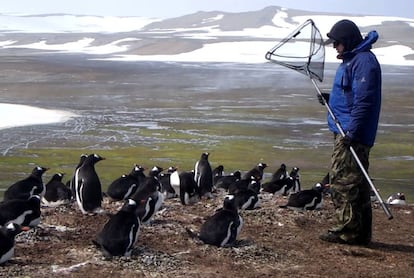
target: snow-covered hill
<point>202,36</point>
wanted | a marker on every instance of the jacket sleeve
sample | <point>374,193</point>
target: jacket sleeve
<point>364,81</point>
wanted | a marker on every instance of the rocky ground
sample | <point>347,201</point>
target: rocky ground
<point>274,242</point>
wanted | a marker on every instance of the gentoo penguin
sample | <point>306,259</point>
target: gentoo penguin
<point>257,172</point>
<point>148,195</point>
<point>188,190</point>
<point>396,199</point>
<point>309,199</point>
<point>218,172</point>
<point>280,173</point>
<point>88,186</point>
<point>72,181</point>
<point>148,185</point>
<point>57,193</point>
<point>148,207</point>
<point>222,228</point>
<point>25,188</point>
<point>294,174</point>
<point>175,180</point>
<point>125,186</point>
<point>247,199</point>
<point>244,184</point>
<point>203,176</point>
<point>225,181</point>
<point>22,212</point>
<point>120,232</point>
<point>283,187</point>
<point>7,234</point>
<point>165,179</point>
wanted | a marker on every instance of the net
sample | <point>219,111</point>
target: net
<point>303,50</point>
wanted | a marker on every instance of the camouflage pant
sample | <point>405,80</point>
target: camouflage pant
<point>351,193</point>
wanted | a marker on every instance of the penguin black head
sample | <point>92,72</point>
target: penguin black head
<point>97,157</point>
<point>172,169</point>
<point>138,169</point>
<point>295,172</point>
<point>229,203</point>
<point>57,177</point>
<point>155,171</point>
<point>81,160</point>
<point>401,196</point>
<point>12,229</point>
<point>320,187</point>
<point>261,165</point>
<point>129,206</point>
<point>220,168</point>
<point>237,174</point>
<point>205,155</point>
<point>39,171</point>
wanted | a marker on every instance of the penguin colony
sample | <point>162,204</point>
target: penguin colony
<point>142,195</point>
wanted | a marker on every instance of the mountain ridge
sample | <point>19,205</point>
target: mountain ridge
<point>139,36</point>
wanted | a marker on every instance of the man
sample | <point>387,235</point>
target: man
<point>355,100</point>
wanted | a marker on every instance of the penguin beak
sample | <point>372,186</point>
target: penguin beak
<point>24,228</point>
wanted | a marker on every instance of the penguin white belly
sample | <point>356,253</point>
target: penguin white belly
<point>7,256</point>
<point>20,219</point>
<point>226,239</point>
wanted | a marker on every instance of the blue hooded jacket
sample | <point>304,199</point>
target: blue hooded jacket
<point>355,99</point>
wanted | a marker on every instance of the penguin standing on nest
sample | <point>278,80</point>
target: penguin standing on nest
<point>203,176</point>
<point>88,186</point>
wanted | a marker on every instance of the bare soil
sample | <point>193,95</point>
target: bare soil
<point>274,242</point>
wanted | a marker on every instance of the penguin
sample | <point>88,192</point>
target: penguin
<point>125,186</point>
<point>244,184</point>
<point>149,191</point>
<point>148,207</point>
<point>72,181</point>
<point>257,172</point>
<point>222,228</point>
<point>396,199</point>
<point>25,188</point>
<point>218,172</point>
<point>175,181</point>
<point>247,199</point>
<point>149,185</point>
<point>280,173</point>
<point>188,190</point>
<point>294,174</point>
<point>88,185</point>
<point>309,199</point>
<point>57,193</point>
<point>22,212</point>
<point>203,176</point>
<point>8,233</point>
<point>285,186</point>
<point>120,233</point>
<point>325,183</point>
<point>165,179</point>
<point>225,181</point>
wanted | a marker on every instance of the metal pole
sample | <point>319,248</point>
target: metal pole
<point>338,125</point>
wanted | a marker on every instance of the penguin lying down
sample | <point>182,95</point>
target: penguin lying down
<point>119,234</point>
<point>222,228</point>
<point>7,234</point>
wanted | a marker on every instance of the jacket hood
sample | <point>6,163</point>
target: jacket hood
<point>365,45</point>
<point>347,33</point>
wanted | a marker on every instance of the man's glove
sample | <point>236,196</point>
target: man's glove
<point>346,141</point>
<point>325,96</point>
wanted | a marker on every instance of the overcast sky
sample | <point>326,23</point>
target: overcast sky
<point>172,8</point>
